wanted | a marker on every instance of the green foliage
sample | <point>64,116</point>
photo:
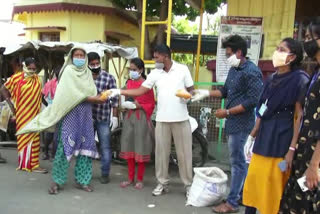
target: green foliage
<point>183,26</point>
<point>179,7</point>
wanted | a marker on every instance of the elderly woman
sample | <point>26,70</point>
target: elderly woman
<point>71,111</point>
<point>24,90</point>
<point>307,155</point>
<point>276,130</point>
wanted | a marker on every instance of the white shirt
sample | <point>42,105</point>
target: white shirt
<point>170,108</point>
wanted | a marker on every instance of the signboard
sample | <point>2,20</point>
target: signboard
<point>250,28</point>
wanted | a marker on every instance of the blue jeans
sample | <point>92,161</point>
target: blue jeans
<point>103,131</point>
<point>236,144</point>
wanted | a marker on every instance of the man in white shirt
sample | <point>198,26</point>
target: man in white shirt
<point>172,116</point>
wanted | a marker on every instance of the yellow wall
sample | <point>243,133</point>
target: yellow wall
<point>278,18</point>
<point>80,27</point>
<point>86,27</point>
<point>204,75</point>
<point>114,23</point>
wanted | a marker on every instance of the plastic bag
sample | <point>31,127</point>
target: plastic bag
<point>248,147</point>
<point>193,124</point>
<point>5,114</point>
<point>209,187</point>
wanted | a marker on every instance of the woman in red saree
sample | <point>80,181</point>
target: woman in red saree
<point>136,138</point>
<point>23,94</point>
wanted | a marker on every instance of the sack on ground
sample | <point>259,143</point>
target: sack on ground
<point>209,187</point>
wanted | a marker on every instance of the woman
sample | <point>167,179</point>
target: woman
<point>71,111</point>
<point>24,89</point>
<point>136,139</point>
<point>276,130</point>
<point>307,155</point>
<point>48,92</point>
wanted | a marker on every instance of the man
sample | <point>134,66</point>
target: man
<point>102,113</point>
<point>172,116</point>
<point>2,160</point>
<point>242,90</point>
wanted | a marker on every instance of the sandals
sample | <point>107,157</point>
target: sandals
<point>225,208</point>
<point>139,185</point>
<point>86,188</point>
<point>54,189</point>
<point>45,157</point>
<point>125,184</point>
<point>40,170</point>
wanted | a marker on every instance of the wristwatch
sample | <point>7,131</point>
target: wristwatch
<point>228,112</point>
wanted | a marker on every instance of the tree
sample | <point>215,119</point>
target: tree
<point>159,8</point>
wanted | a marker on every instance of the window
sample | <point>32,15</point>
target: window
<point>50,36</point>
<point>113,40</point>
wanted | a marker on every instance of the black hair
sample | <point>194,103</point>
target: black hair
<point>140,64</point>
<point>314,28</point>
<point>295,48</point>
<point>236,42</point>
<point>77,49</point>
<point>28,61</point>
<point>93,56</point>
<point>163,50</point>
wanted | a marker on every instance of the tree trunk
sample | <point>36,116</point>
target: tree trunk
<point>163,17</point>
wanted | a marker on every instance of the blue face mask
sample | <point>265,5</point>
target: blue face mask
<point>134,75</point>
<point>78,62</point>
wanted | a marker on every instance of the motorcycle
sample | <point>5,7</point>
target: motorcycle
<point>199,146</point>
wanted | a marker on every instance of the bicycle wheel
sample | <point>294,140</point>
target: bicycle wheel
<point>116,146</point>
<point>199,149</point>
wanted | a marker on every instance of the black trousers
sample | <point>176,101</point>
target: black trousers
<point>250,210</point>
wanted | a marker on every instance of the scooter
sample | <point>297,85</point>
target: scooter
<point>199,146</point>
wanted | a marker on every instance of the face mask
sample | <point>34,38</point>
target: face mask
<point>233,61</point>
<point>279,59</point>
<point>134,75</point>
<point>29,72</point>
<point>78,62</point>
<point>95,70</point>
<point>311,48</point>
<point>159,65</point>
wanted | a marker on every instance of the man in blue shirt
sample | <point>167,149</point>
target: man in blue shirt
<point>242,90</point>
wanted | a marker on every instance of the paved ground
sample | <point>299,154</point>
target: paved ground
<point>26,193</point>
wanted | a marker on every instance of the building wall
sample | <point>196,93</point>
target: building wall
<point>43,19</point>
<point>80,27</point>
<point>278,19</point>
<point>86,27</point>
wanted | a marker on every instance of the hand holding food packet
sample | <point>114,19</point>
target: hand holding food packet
<point>105,95</point>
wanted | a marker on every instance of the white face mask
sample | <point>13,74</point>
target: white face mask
<point>279,59</point>
<point>159,65</point>
<point>233,61</point>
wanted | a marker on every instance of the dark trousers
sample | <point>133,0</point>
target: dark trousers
<point>251,210</point>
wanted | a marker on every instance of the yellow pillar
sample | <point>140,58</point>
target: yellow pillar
<point>199,43</point>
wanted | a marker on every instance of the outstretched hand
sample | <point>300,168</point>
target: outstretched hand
<point>200,94</point>
<point>115,92</point>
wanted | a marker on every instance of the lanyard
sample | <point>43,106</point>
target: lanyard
<point>315,77</point>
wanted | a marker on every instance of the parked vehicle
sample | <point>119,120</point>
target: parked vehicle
<point>199,148</point>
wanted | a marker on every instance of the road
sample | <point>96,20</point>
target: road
<point>26,193</point>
